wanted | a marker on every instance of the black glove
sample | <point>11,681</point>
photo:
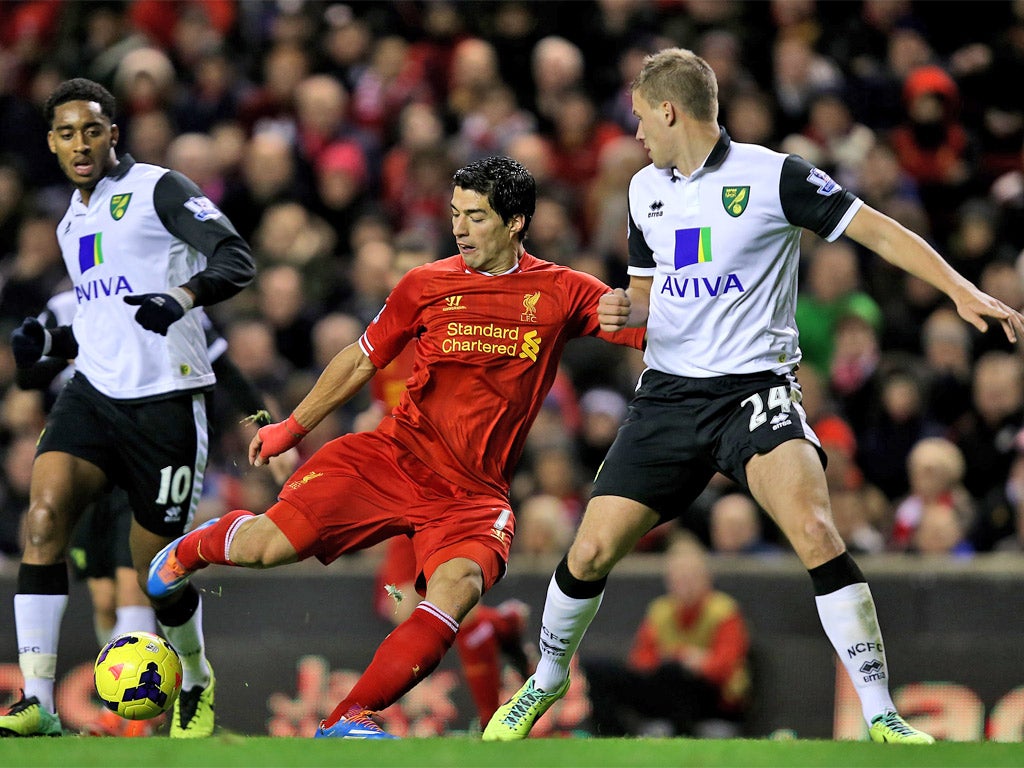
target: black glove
<point>29,342</point>
<point>158,310</point>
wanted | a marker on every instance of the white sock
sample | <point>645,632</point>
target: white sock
<point>187,640</point>
<point>563,625</point>
<point>103,632</point>
<point>849,619</point>
<point>38,618</point>
<point>134,618</point>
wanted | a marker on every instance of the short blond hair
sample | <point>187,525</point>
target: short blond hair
<point>682,77</point>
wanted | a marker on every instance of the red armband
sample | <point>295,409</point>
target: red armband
<point>278,438</point>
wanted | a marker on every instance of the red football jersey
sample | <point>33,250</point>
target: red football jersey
<point>487,352</point>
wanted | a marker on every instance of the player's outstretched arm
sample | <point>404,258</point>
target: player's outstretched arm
<point>909,251</point>
<point>343,377</point>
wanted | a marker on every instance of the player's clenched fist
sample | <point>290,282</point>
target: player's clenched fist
<point>613,310</point>
<point>274,439</point>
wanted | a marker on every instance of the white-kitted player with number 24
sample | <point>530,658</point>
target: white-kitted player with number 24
<point>714,244</point>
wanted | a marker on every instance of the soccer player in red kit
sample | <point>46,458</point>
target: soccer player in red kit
<point>491,324</point>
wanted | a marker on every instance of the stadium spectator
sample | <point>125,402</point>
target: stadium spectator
<point>735,527</point>
<point>151,136</point>
<point>493,121</point>
<point>932,143</point>
<point>935,467</point>
<point>268,175</point>
<point>799,74</point>
<point>1002,520</point>
<point>558,67</point>
<point>283,303</point>
<point>392,80</point>
<point>997,415</point>
<point>271,105</point>
<point>948,357</point>
<point>14,200</point>
<point>687,664</point>
<point>32,274</point>
<point>940,532</point>
<point>750,116</point>
<point>832,139</point>
<point>578,136</point>
<point>975,241</point>
<point>473,78</point>
<point>854,376</point>
<point>831,291</point>
<point>195,156</point>
<point>602,410</point>
<point>214,94</point>
<point>419,127</point>
<point>617,161</point>
<point>342,182</point>
<point>543,526</point>
<point>322,121</point>
<point>899,422</point>
<point>1001,280</point>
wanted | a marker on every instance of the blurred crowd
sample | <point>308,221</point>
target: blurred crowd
<point>329,132</point>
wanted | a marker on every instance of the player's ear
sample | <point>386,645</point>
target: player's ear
<point>670,112</point>
<point>515,224</point>
<point>115,134</point>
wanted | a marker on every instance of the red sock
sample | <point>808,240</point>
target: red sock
<point>410,653</point>
<point>479,652</point>
<point>209,546</point>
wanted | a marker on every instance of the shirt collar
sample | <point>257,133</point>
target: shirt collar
<point>714,159</point>
<point>123,166</point>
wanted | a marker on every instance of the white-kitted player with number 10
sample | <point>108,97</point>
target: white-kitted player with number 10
<point>142,246</point>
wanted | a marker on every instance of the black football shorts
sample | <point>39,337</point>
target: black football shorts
<point>680,431</point>
<point>156,450</point>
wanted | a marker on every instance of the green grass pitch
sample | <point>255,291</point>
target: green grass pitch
<point>465,752</point>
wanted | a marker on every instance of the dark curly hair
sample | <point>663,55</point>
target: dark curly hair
<point>80,89</point>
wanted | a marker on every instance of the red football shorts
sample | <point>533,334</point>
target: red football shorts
<point>363,488</point>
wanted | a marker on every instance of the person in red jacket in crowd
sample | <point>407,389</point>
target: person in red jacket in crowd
<point>688,662</point>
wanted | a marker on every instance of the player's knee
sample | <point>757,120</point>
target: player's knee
<point>817,535</point>
<point>46,531</point>
<point>589,559</point>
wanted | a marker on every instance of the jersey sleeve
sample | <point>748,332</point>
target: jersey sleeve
<point>194,219</point>
<point>812,200</point>
<point>641,255</point>
<point>588,292</point>
<point>396,324</point>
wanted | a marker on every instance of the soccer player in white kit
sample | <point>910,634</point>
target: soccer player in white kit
<point>142,246</point>
<point>714,230</point>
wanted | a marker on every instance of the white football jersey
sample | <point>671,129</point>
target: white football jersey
<point>723,248</point>
<point>146,229</point>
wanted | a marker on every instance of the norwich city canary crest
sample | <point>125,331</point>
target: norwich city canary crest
<point>735,200</point>
<point>119,204</point>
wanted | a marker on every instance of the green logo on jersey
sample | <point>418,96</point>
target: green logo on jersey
<point>119,204</point>
<point>735,200</point>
